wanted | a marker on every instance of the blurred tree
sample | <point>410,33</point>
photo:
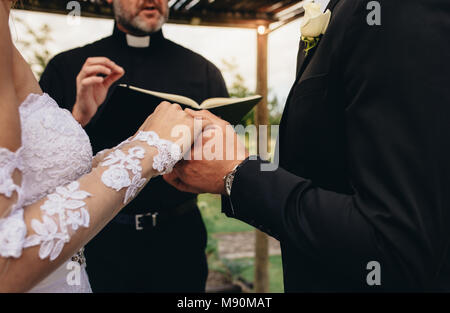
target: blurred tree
<point>33,45</point>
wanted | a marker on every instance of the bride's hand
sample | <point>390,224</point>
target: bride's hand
<point>171,123</point>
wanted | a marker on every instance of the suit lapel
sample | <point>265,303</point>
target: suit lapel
<point>302,62</point>
<point>302,59</point>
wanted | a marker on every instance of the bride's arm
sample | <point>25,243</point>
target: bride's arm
<point>60,224</point>
<point>101,202</point>
<point>10,136</point>
<point>37,239</point>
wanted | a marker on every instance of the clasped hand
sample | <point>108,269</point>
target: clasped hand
<point>214,154</point>
<point>210,146</point>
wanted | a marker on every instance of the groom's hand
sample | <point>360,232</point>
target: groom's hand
<point>215,154</point>
<point>93,82</point>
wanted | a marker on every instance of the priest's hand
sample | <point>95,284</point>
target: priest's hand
<point>214,154</point>
<point>93,82</point>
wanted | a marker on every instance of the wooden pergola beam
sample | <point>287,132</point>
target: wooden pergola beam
<point>262,118</point>
<point>222,19</point>
<point>240,14</point>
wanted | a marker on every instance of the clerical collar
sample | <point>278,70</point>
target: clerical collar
<point>143,42</point>
<point>138,42</point>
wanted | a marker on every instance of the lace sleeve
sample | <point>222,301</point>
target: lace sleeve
<point>12,225</point>
<point>9,162</point>
<point>119,164</point>
<point>65,211</point>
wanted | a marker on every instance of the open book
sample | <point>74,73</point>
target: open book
<point>127,107</point>
<point>229,109</point>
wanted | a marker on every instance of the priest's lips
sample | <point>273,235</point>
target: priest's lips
<point>150,10</point>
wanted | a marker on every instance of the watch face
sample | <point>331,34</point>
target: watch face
<point>228,183</point>
<point>229,180</point>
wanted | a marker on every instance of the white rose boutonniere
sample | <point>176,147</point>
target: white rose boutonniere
<point>314,26</point>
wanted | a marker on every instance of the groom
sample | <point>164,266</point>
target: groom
<point>361,199</point>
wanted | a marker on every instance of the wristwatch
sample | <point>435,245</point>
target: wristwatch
<point>228,180</point>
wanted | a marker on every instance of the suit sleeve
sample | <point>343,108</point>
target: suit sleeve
<point>325,225</point>
<point>397,150</point>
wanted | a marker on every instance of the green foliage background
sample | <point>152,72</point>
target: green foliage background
<point>34,46</point>
<point>239,89</point>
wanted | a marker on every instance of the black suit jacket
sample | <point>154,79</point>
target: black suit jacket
<point>364,155</point>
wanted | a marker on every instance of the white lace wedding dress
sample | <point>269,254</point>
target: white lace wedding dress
<point>54,155</point>
<point>55,151</point>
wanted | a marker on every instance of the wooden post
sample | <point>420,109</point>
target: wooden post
<point>262,118</point>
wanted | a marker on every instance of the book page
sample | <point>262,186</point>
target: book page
<point>167,96</point>
<point>218,102</point>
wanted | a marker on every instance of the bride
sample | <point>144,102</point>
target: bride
<point>54,197</point>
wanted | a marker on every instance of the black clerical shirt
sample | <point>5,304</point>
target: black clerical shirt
<point>163,66</point>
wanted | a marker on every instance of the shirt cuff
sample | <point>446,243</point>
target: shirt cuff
<point>244,204</point>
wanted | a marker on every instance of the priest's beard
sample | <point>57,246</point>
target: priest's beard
<point>135,25</point>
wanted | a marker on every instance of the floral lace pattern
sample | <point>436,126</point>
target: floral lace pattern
<point>64,212</point>
<point>117,175</point>
<point>169,153</point>
<point>9,162</point>
<point>12,234</point>
<point>120,164</point>
<point>55,151</point>
<point>12,227</point>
